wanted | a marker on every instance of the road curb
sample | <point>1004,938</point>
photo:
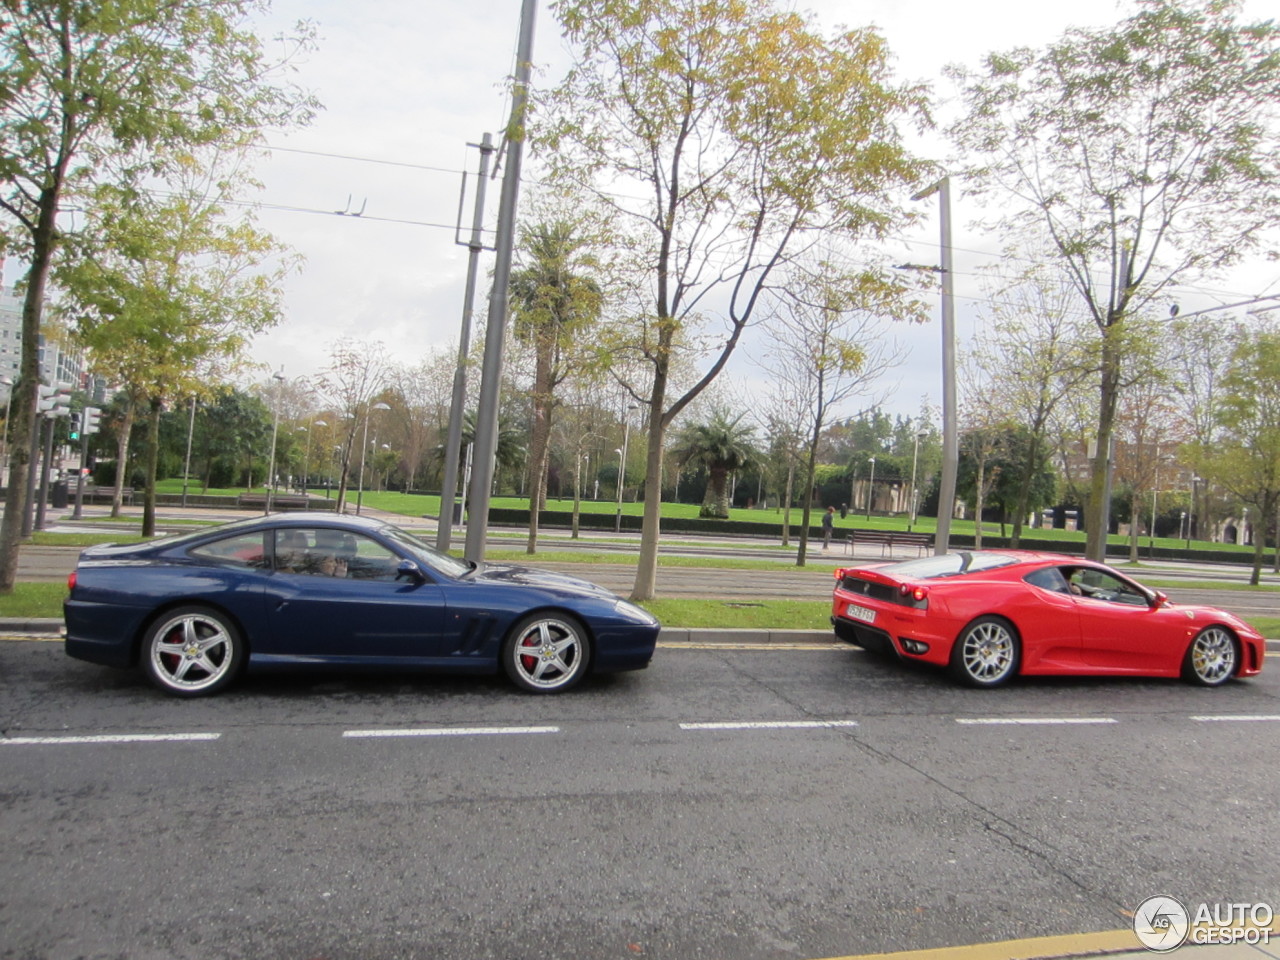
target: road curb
<point>36,625</point>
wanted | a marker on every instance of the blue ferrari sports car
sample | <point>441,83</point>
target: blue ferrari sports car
<point>195,610</point>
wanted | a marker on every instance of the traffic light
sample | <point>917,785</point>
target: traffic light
<point>74,432</point>
<point>91,417</point>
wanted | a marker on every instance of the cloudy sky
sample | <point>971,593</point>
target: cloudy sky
<point>407,85</point>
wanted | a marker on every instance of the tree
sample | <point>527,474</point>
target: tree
<point>1246,460</point>
<point>722,444</point>
<point>127,83</point>
<point>1145,154</point>
<point>1037,329</point>
<point>827,351</point>
<point>552,302</point>
<point>720,137</point>
<point>356,373</point>
<point>169,291</point>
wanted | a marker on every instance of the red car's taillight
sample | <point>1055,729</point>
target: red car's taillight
<point>916,593</point>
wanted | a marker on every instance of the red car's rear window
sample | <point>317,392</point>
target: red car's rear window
<point>947,565</point>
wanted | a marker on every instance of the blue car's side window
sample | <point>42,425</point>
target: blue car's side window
<point>244,550</point>
<point>326,552</point>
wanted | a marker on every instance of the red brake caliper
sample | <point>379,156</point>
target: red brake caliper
<point>529,662</point>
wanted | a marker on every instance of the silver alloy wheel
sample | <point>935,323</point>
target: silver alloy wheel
<point>1212,656</point>
<point>545,654</point>
<point>987,652</point>
<point>193,651</point>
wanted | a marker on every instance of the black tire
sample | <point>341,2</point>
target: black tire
<point>987,653</point>
<point>1212,658</point>
<point>192,651</point>
<point>546,653</point>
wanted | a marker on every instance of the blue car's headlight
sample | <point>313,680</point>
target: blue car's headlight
<point>632,612</point>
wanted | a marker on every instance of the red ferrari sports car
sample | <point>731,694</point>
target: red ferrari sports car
<point>988,615</point>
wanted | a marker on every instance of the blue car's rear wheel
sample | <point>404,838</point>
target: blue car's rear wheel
<point>192,651</point>
<point>986,653</point>
<point>1211,659</point>
<point>546,653</point>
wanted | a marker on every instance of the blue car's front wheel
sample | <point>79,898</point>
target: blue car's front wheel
<point>546,653</point>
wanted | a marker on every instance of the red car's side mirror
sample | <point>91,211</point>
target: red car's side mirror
<point>1160,599</point>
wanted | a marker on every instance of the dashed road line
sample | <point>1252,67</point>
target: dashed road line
<point>113,738</point>
<point>768,724</point>
<point>1238,718</point>
<point>444,732</point>
<point>1031,721</point>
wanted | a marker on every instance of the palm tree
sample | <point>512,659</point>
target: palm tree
<point>552,301</point>
<point>721,445</point>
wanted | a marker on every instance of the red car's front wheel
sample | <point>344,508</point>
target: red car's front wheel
<point>1211,659</point>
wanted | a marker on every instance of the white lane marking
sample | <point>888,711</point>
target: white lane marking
<point>116,738</point>
<point>1237,718</point>
<point>1030,721</point>
<point>768,724</point>
<point>446,732</point>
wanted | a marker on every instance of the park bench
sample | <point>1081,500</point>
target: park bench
<point>282,501</point>
<point>888,539</point>
<point>95,493</point>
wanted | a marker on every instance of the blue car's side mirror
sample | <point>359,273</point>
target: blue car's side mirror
<point>408,570</point>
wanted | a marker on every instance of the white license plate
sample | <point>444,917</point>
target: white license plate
<point>861,613</point>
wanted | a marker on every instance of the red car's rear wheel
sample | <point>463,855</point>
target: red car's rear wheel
<point>986,653</point>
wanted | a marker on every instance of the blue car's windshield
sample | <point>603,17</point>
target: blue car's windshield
<point>429,557</point>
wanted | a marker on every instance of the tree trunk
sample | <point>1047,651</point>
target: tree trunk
<point>153,461</point>
<point>977,507</point>
<point>122,455</point>
<point>786,510</point>
<point>806,513</point>
<point>715,502</point>
<point>1024,490</point>
<point>540,437</point>
<point>346,470</point>
<point>26,394</point>
<point>651,524</point>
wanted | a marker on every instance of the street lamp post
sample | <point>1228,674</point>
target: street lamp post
<point>622,465</point>
<point>306,463</point>
<point>275,430</point>
<point>7,383</point>
<point>186,465</point>
<point>950,438</point>
<point>364,446</point>
<point>1191,513</point>
<point>871,487</point>
<point>915,456</point>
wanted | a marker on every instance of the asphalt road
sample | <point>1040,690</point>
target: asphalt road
<point>611,822</point>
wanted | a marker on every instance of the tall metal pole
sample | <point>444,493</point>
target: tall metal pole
<point>950,437</point>
<point>622,471</point>
<point>47,467</point>
<point>486,442</point>
<point>453,445</point>
<point>275,431</point>
<point>186,466</point>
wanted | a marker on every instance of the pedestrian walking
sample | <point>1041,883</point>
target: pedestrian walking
<point>828,527</point>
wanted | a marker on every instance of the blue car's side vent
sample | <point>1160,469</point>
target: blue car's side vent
<point>475,635</point>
